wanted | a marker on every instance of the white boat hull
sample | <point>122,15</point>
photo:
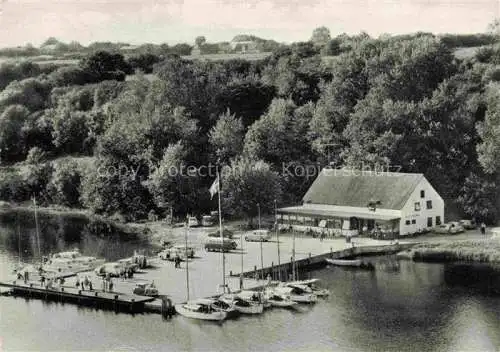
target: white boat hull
<point>284,303</point>
<point>251,308</point>
<point>212,316</point>
<point>308,298</point>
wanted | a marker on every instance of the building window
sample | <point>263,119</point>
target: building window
<point>417,206</point>
<point>438,220</point>
<point>429,222</point>
<point>422,194</point>
<point>429,204</point>
<point>407,222</point>
<point>414,221</point>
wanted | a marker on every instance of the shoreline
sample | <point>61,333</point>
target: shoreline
<point>485,250</point>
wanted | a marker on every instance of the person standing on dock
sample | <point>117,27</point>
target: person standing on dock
<point>77,283</point>
<point>90,285</point>
<point>483,228</point>
<point>110,285</point>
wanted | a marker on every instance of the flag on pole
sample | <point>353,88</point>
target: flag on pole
<point>214,188</point>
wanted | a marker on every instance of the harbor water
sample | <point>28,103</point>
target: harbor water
<point>401,306</point>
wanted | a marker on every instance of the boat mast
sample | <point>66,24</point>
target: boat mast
<point>186,255</point>
<point>221,234</point>
<point>37,231</point>
<point>277,237</point>
<point>19,238</point>
<point>293,256</point>
<point>241,275</point>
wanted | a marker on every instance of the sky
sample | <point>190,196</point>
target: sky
<point>175,21</point>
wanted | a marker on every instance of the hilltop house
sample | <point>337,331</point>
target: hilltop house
<point>347,202</point>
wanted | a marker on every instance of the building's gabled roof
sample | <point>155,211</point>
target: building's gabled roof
<point>355,188</point>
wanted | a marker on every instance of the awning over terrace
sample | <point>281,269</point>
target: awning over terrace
<point>337,213</point>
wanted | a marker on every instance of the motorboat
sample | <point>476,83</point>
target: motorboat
<point>297,293</point>
<point>142,289</point>
<point>242,305</point>
<point>312,284</point>
<point>201,311</point>
<point>280,301</point>
<point>71,261</point>
<point>216,303</point>
<point>353,263</point>
<point>256,297</point>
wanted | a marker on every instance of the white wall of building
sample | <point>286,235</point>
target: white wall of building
<point>418,218</point>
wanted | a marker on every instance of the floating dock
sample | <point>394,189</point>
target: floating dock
<point>114,300</point>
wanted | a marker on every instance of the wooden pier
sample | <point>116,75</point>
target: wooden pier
<point>318,261</point>
<point>111,300</point>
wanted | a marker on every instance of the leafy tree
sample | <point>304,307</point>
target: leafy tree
<point>64,186</point>
<point>36,156</point>
<point>37,178</point>
<point>12,146</point>
<point>173,183</point>
<point>279,136</point>
<point>321,36</point>
<point>32,93</point>
<point>107,189</point>
<point>478,198</point>
<point>247,183</point>
<point>104,65</point>
<point>226,137</point>
<point>199,41</point>
<point>489,148</point>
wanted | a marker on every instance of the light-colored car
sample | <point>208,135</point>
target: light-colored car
<point>449,228</point>
<point>172,252</point>
<point>193,221</point>
<point>258,236</point>
<point>113,269</point>
<point>468,224</point>
<point>207,220</point>
<point>129,263</point>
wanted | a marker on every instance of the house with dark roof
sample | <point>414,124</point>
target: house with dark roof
<point>352,202</point>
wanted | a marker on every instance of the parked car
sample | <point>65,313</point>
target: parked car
<point>145,290</point>
<point>225,233</point>
<point>193,221</point>
<point>449,228</point>
<point>218,245</point>
<point>172,252</point>
<point>468,224</point>
<point>207,220</point>
<point>258,236</point>
<point>129,263</point>
<point>113,269</point>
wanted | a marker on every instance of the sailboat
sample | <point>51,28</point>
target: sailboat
<point>198,309</point>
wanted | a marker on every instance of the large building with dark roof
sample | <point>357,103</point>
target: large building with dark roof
<point>350,202</point>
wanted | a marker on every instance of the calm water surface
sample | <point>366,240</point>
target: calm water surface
<point>419,307</point>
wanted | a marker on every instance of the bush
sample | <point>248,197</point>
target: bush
<point>36,156</point>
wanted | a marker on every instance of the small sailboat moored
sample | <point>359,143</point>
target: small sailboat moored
<point>200,310</point>
<point>242,305</point>
<point>312,284</point>
<point>297,293</point>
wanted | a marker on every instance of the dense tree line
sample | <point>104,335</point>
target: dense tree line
<point>404,102</point>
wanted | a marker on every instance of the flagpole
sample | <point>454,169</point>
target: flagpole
<point>221,234</point>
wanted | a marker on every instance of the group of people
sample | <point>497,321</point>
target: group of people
<point>85,283</point>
